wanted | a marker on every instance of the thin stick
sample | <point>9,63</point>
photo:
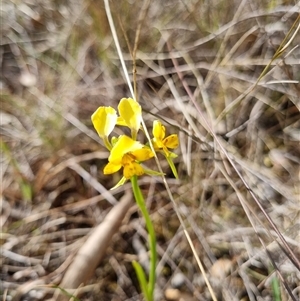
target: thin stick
<point>115,37</point>
<point>136,41</point>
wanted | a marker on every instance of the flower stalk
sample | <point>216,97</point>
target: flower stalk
<point>151,236</point>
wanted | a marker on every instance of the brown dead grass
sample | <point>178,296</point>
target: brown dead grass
<point>59,64</point>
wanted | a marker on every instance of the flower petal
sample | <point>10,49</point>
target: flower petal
<point>121,121</point>
<point>132,169</point>
<point>123,146</point>
<point>104,120</point>
<point>171,141</point>
<point>143,154</point>
<point>111,168</point>
<point>158,131</point>
<point>131,113</point>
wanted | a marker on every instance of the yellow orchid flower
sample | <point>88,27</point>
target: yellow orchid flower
<point>162,144</point>
<point>159,140</point>
<point>127,153</point>
<point>104,120</point>
<point>130,115</point>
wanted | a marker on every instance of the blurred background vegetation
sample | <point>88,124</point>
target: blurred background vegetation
<point>59,63</point>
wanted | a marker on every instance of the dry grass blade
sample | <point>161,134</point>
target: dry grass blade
<point>93,250</point>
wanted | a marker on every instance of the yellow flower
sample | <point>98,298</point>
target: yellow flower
<point>127,153</point>
<point>159,140</point>
<point>104,120</point>
<point>130,115</point>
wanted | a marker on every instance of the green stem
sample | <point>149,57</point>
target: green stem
<point>151,234</point>
<point>107,143</point>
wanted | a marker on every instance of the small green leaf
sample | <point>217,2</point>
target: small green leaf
<point>276,289</point>
<point>120,183</point>
<point>152,172</point>
<point>172,155</point>
<point>26,191</point>
<point>171,163</point>
<point>64,292</point>
<point>142,279</point>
